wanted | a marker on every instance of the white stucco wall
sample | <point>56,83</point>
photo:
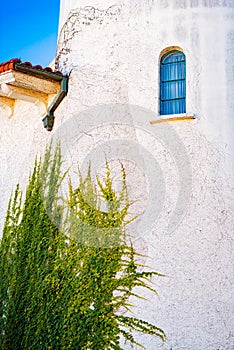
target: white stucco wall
<point>22,138</point>
<point>181,173</point>
<point>112,55</point>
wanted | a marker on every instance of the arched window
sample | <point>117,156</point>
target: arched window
<point>172,83</point>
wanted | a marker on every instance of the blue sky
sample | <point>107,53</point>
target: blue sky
<point>28,30</point>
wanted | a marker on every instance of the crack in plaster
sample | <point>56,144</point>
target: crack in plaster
<point>77,20</point>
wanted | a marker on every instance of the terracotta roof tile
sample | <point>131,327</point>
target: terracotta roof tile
<point>10,65</point>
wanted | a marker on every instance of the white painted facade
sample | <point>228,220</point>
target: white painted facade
<point>180,171</point>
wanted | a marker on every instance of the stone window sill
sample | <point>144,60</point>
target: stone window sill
<point>173,117</point>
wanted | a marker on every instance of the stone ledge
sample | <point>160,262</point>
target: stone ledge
<point>173,117</point>
<point>26,87</point>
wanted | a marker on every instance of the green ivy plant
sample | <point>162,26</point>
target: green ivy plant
<point>68,269</point>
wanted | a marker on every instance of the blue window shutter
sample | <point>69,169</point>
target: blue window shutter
<point>173,83</point>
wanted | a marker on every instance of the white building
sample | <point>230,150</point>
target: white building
<point>151,83</point>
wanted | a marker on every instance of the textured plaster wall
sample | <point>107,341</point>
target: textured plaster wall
<point>111,51</point>
<point>180,173</point>
<point>21,138</point>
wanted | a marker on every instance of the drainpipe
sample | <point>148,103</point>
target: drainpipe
<point>48,120</point>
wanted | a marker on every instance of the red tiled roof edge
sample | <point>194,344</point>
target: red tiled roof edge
<point>10,65</point>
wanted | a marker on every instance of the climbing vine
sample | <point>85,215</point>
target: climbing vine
<point>67,267</point>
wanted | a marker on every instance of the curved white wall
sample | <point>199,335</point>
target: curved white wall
<point>125,46</point>
<point>111,50</point>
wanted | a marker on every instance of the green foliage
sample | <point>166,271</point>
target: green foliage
<point>67,267</point>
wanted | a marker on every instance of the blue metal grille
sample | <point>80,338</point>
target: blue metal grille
<point>173,83</point>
